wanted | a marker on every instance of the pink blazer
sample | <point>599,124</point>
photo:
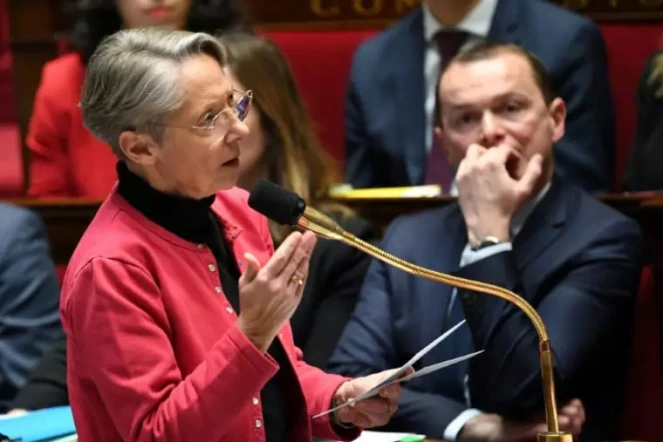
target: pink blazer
<point>154,353</point>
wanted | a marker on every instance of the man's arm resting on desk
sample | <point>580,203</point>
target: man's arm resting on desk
<point>426,413</point>
<point>453,430</point>
<point>490,427</point>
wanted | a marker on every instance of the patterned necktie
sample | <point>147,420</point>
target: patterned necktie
<point>438,169</point>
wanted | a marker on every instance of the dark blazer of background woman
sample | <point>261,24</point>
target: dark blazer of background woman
<point>644,170</point>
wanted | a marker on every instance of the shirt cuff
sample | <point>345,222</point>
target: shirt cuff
<point>452,430</point>
<point>469,256</point>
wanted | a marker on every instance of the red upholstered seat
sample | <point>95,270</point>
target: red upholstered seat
<point>643,405</point>
<point>7,103</point>
<point>321,63</point>
<point>7,109</point>
<point>11,161</point>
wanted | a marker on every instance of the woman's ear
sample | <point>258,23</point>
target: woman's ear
<point>139,148</point>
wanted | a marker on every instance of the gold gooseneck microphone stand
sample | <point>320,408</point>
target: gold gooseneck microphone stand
<point>325,227</point>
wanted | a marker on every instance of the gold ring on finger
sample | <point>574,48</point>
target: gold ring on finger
<point>297,279</point>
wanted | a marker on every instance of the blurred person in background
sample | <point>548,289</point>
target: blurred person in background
<point>29,298</point>
<point>282,147</point>
<point>391,101</point>
<point>644,170</point>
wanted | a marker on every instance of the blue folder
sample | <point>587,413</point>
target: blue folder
<point>39,426</point>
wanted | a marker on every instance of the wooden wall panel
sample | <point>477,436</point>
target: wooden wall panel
<point>33,26</point>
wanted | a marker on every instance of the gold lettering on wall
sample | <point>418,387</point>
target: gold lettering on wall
<point>374,9</point>
<point>378,13</point>
<point>405,5</point>
<point>322,11</point>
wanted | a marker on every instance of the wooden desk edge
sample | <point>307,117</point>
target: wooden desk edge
<point>67,218</point>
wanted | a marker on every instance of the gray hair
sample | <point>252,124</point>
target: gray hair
<point>132,80</point>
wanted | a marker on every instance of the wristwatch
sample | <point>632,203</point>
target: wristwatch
<point>486,242</point>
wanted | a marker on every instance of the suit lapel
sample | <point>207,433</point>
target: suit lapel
<point>505,26</point>
<point>407,81</point>
<point>441,252</point>
<point>542,227</point>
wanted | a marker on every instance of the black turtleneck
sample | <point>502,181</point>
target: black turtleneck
<point>193,220</point>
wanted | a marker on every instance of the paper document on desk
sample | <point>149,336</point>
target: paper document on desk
<point>374,436</point>
<point>398,377</point>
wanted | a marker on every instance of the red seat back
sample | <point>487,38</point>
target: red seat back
<point>11,155</point>
<point>321,62</point>
<point>643,405</point>
<point>7,103</point>
<point>11,161</point>
<point>628,46</point>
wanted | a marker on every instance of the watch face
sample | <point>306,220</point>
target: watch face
<point>485,243</point>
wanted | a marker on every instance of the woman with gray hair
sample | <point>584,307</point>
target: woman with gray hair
<point>175,304</point>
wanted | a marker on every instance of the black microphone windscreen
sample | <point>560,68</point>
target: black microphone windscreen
<point>277,203</point>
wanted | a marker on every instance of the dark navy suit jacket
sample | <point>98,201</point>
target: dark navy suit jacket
<point>29,298</point>
<point>385,117</point>
<point>576,260</point>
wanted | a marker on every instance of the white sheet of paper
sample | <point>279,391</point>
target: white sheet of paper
<point>435,367</point>
<point>403,369</point>
<point>378,436</point>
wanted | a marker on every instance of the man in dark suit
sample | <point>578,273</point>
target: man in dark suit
<point>391,98</point>
<point>516,225</point>
<point>29,298</point>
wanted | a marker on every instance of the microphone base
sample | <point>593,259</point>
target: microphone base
<point>554,437</point>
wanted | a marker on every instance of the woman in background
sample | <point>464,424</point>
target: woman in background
<point>644,170</point>
<point>65,159</point>
<point>283,148</point>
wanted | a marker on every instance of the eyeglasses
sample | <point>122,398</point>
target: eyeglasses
<point>219,123</point>
<point>240,109</point>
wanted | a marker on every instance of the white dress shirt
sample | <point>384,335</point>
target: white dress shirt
<point>468,257</point>
<point>477,23</point>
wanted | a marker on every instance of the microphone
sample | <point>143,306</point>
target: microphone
<point>288,208</point>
